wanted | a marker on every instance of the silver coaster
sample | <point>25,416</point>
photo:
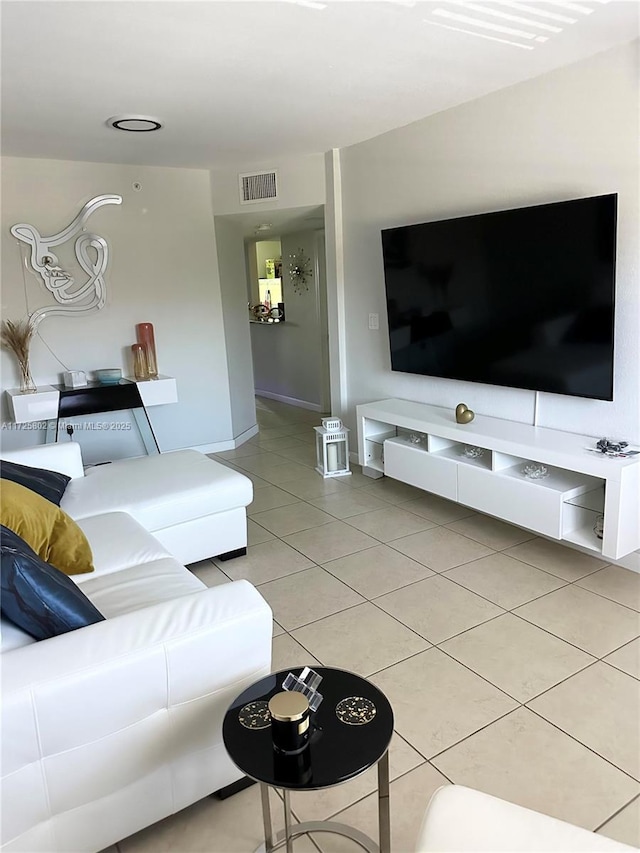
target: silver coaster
<point>255,715</point>
<point>355,711</point>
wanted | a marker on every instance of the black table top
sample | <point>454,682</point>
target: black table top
<point>337,751</point>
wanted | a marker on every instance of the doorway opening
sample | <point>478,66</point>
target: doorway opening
<point>264,267</point>
<point>287,302</point>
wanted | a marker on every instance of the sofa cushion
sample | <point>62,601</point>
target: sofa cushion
<point>118,542</point>
<point>37,597</point>
<point>140,586</point>
<point>47,484</point>
<point>46,528</point>
<point>12,637</point>
<point>159,491</point>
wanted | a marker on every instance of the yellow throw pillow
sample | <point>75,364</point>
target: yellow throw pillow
<point>53,535</point>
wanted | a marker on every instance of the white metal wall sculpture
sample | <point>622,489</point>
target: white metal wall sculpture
<point>92,253</point>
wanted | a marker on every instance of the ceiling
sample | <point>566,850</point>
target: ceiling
<point>238,84</point>
<point>279,222</point>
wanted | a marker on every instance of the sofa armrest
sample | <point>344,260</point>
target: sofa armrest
<point>134,703</point>
<point>64,457</point>
<point>464,819</point>
<point>217,615</point>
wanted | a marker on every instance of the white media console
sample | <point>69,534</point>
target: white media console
<point>579,487</point>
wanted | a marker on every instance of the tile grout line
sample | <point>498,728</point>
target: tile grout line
<point>615,814</point>
<point>473,592</point>
<point>584,745</point>
<point>564,583</point>
<point>373,601</point>
<point>445,525</point>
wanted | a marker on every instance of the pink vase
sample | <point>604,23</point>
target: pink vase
<point>144,333</point>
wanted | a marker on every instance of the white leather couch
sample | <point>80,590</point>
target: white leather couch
<point>194,506</point>
<point>112,727</point>
<point>462,820</point>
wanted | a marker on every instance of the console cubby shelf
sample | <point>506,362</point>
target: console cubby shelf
<point>423,446</point>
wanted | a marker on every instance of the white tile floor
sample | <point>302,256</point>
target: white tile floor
<point>512,663</point>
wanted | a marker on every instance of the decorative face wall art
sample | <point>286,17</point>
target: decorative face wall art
<point>92,252</point>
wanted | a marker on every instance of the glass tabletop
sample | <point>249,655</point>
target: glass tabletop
<point>341,746</point>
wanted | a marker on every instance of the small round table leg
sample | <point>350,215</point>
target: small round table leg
<point>384,819</point>
<point>287,821</point>
<point>266,818</point>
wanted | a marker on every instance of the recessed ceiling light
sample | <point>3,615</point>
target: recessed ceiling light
<point>266,226</point>
<point>134,124</point>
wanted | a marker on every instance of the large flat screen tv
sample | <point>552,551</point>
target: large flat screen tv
<point>523,298</point>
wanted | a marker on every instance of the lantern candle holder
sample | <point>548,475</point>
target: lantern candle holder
<point>332,450</point>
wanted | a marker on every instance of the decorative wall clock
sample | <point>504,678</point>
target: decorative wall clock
<point>300,271</point>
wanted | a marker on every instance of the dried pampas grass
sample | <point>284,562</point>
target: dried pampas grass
<point>17,337</point>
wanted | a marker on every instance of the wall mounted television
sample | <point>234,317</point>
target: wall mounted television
<point>522,298</point>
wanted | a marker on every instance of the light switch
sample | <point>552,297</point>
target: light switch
<point>374,321</point>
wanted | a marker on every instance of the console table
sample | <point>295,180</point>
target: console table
<point>52,402</point>
<point>423,446</point>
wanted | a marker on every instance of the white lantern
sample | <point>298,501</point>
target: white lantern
<point>332,449</point>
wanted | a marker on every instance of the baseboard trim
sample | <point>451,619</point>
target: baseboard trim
<point>292,401</point>
<point>631,562</point>
<point>231,444</point>
<point>246,435</point>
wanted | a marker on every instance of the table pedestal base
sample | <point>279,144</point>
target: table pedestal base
<point>284,838</point>
<point>321,826</point>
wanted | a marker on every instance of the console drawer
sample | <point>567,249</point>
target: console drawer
<point>418,467</point>
<point>522,502</point>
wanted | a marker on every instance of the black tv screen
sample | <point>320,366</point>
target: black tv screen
<point>522,298</point>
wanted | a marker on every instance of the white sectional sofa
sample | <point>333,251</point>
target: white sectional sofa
<point>114,726</point>
<point>194,506</point>
<point>462,820</point>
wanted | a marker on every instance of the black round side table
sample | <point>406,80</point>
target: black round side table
<point>351,731</point>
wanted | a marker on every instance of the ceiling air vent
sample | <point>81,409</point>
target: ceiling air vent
<point>257,186</point>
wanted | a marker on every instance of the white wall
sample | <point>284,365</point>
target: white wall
<point>283,362</point>
<point>233,284</point>
<point>336,308</point>
<point>300,183</point>
<point>162,270</point>
<point>287,357</point>
<point>571,133</point>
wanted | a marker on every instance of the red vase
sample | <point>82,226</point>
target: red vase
<point>144,333</point>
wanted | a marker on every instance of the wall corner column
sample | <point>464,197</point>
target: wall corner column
<point>336,285</point>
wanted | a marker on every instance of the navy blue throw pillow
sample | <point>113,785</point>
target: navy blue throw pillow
<point>48,484</point>
<point>37,597</point>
